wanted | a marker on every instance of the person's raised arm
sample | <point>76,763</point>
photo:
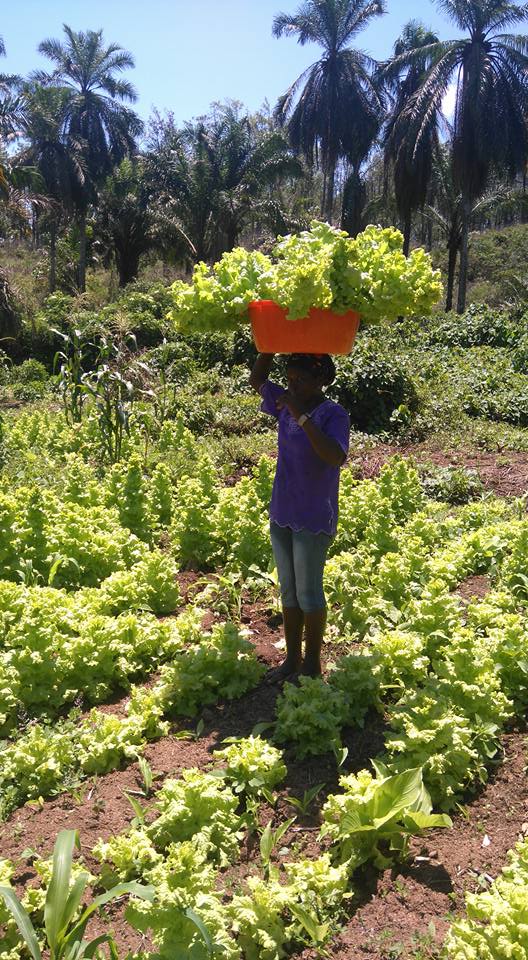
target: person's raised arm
<point>326,447</point>
<point>261,370</point>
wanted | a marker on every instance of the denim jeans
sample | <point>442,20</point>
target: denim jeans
<point>300,557</point>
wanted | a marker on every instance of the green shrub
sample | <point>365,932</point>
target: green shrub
<point>29,391</point>
<point>373,386</point>
<point>480,325</point>
<point>141,312</point>
<point>175,359</point>
<point>56,310</point>
<point>451,484</point>
<point>509,404</point>
<point>30,371</point>
<point>38,341</point>
<point>520,351</point>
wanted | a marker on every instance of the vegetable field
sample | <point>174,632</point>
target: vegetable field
<point>345,817</point>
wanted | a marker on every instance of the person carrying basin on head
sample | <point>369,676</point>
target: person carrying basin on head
<point>313,444</point>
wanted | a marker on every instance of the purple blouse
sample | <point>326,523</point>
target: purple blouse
<point>306,489</point>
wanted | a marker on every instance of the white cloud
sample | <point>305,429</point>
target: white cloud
<point>449,102</point>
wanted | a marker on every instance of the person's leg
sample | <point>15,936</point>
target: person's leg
<point>314,628</point>
<point>293,632</point>
<point>281,541</point>
<point>309,556</point>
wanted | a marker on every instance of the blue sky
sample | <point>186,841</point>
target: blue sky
<point>191,52</point>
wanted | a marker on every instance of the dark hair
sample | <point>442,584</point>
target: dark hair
<point>318,365</point>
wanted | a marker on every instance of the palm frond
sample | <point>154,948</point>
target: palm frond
<point>357,17</point>
<point>415,57</point>
<point>53,50</point>
<point>286,102</point>
<point>4,185</point>
<point>506,15</point>
<point>461,12</point>
<point>300,25</point>
<point>515,42</point>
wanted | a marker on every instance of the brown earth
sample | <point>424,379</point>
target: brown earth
<point>473,588</point>
<point>506,474</point>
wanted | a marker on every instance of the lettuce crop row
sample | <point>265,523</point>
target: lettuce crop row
<point>94,527</point>
<point>56,648</point>
<point>448,678</point>
<point>446,702</point>
<point>82,536</point>
<point>374,585</point>
<point>45,759</point>
<point>198,829</point>
<point>496,926</point>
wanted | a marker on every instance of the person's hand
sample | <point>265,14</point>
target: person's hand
<point>286,400</point>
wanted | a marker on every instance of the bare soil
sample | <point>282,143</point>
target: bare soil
<point>473,588</point>
<point>506,474</point>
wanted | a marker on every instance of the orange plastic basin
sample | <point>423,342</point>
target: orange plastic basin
<point>322,331</point>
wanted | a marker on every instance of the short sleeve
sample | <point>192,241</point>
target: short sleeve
<point>337,427</point>
<point>270,392</point>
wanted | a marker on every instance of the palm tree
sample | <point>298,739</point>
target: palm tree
<point>59,164</point>
<point>11,113</point>
<point>94,112</point>
<point>7,314</point>
<point>218,175</point>
<point>410,159</point>
<point>126,219</point>
<point>490,69</point>
<point>333,109</point>
<point>248,168</point>
<point>444,210</point>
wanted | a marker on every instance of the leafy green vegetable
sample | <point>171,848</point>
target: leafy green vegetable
<point>320,267</point>
<point>309,716</point>
<point>374,818</point>
<point>252,765</point>
<point>497,919</point>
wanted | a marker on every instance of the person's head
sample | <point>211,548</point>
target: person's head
<point>309,373</point>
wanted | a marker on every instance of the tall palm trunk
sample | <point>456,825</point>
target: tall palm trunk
<point>463,271</point>
<point>429,243</point>
<point>451,272</point>
<point>52,277</point>
<point>82,250</point>
<point>407,227</point>
<point>128,270</point>
<point>232,234</point>
<point>328,211</point>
